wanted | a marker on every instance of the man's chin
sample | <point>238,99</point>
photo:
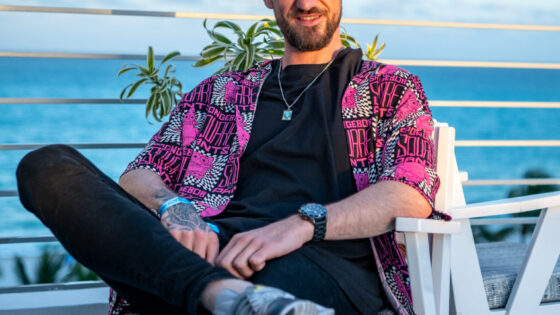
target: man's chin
<point>306,45</point>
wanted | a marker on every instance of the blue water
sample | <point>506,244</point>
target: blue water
<point>69,78</point>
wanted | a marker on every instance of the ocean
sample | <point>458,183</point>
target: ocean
<point>76,78</point>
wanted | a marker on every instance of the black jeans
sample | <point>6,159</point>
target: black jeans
<point>112,233</point>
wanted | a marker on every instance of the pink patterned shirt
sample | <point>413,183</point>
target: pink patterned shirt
<point>388,127</point>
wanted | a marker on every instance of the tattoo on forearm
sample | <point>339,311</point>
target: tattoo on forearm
<point>162,195</point>
<point>183,217</point>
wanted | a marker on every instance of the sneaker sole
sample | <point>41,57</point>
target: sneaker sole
<point>301,308</point>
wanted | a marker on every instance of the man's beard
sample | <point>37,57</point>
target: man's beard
<point>308,38</point>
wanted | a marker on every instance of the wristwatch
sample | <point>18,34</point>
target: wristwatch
<point>316,214</point>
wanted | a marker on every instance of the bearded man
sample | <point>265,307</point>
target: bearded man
<point>280,181</point>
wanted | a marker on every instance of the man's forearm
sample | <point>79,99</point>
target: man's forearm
<point>147,187</point>
<point>372,211</point>
<point>181,220</point>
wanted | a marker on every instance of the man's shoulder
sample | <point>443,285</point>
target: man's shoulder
<point>255,73</point>
<point>375,71</point>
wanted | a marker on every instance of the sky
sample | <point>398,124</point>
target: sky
<point>120,34</point>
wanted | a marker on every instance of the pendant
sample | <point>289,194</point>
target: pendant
<point>287,114</point>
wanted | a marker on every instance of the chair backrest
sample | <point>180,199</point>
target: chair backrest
<point>450,193</point>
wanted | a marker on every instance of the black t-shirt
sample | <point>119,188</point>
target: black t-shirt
<point>290,163</point>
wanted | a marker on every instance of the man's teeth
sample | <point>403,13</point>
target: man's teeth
<point>308,18</point>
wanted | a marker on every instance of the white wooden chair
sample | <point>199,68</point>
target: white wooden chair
<point>442,257</point>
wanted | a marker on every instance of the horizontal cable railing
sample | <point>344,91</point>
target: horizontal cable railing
<point>15,54</point>
<point>32,146</point>
<point>492,104</point>
<point>253,17</point>
<point>29,239</point>
<point>526,220</point>
<point>8,193</point>
<point>470,182</point>
<point>51,238</point>
<point>512,182</point>
<point>131,145</point>
<point>433,103</point>
<point>507,143</point>
<point>102,101</point>
<point>397,62</point>
<point>53,287</point>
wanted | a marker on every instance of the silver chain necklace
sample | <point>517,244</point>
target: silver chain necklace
<point>287,113</point>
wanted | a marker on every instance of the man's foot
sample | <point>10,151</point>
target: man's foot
<point>261,300</point>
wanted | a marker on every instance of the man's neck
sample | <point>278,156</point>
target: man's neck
<point>293,56</point>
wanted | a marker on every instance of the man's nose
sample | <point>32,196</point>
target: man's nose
<point>306,5</point>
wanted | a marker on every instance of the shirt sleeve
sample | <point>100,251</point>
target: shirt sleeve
<point>408,154</point>
<point>167,151</point>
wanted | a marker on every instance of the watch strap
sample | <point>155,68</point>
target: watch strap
<point>320,229</point>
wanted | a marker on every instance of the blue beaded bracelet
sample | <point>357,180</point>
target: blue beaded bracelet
<point>170,203</point>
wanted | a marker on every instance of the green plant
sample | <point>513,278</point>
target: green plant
<point>50,263</point>
<point>372,51</point>
<point>48,270</point>
<point>263,40</point>
<point>165,92</point>
<point>79,273</point>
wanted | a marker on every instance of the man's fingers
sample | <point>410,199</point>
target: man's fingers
<point>234,248</point>
<point>235,245</point>
<point>241,261</point>
<point>179,236</point>
<point>257,261</point>
<point>212,248</point>
<point>187,239</point>
<point>200,242</point>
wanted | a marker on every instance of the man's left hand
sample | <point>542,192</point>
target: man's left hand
<point>248,252</point>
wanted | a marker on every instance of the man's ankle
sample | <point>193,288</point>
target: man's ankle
<point>208,298</point>
<point>261,300</point>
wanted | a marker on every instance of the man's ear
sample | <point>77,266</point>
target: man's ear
<point>269,4</point>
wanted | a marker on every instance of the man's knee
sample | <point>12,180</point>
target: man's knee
<point>44,163</point>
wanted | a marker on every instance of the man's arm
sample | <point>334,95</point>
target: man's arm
<point>181,220</point>
<point>373,210</point>
<point>147,187</point>
<point>367,213</point>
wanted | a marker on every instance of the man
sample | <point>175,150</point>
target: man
<point>288,175</point>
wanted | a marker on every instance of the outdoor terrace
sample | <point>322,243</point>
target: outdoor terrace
<point>91,297</point>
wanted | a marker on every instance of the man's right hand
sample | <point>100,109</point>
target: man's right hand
<point>187,227</point>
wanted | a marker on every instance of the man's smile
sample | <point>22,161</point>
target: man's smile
<point>309,20</point>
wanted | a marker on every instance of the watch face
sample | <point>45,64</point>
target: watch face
<point>314,211</point>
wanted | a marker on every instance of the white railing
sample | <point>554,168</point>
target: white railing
<point>397,62</point>
<point>253,17</point>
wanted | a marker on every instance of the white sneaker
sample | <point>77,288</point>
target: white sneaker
<point>262,300</point>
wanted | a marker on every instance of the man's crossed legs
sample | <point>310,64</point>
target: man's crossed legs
<point>112,233</point>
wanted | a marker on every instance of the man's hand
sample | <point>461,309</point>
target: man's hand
<point>248,252</point>
<point>187,227</point>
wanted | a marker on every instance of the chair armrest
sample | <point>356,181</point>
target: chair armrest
<point>506,206</point>
<point>403,224</point>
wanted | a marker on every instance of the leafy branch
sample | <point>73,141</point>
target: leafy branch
<point>372,51</point>
<point>262,40</point>
<point>165,92</point>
